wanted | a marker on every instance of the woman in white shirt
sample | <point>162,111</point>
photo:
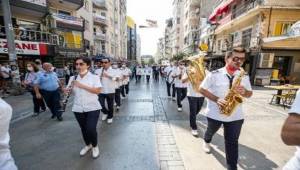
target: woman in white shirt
<point>6,160</point>
<point>86,107</point>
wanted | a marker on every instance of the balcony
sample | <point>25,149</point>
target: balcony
<point>68,22</point>
<point>99,19</point>
<point>243,9</point>
<point>22,34</point>
<point>99,36</point>
<point>100,4</point>
<point>71,5</point>
<point>29,9</point>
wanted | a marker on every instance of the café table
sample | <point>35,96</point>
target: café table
<point>280,88</point>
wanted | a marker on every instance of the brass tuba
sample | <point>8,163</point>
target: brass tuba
<point>196,71</point>
<point>232,98</point>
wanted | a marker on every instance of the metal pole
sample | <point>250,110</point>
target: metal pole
<point>10,37</point>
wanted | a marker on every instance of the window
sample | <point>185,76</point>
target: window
<point>282,28</point>
<point>103,14</point>
<point>64,12</point>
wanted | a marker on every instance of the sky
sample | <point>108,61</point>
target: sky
<point>140,10</point>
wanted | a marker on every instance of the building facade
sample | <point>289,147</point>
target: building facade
<point>131,40</point>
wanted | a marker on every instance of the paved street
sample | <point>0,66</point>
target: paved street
<point>148,134</point>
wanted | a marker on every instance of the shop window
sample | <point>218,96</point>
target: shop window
<point>73,39</point>
<point>282,28</point>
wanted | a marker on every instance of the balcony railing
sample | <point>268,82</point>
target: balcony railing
<point>32,35</point>
<point>244,8</point>
<point>67,21</point>
<point>37,2</point>
<point>100,4</point>
<point>99,19</point>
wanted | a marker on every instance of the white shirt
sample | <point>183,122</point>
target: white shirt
<point>217,83</point>
<point>126,72</point>
<point>148,71</point>
<point>168,71</point>
<point>6,160</point>
<point>5,72</point>
<point>139,71</point>
<point>178,81</point>
<point>108,85</point>
<point>119,75</point>
<point>294,162</point>
<point>190,90</point>
<point>85,101</point>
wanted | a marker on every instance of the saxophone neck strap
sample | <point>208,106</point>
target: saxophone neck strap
<point>230,78</point>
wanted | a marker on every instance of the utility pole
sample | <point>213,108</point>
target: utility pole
<point>10,38</point>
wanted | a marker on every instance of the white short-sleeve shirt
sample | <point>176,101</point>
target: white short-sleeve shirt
<point>108,85</point>
<point>85,101</point>
<point>168,70</point>
<point>178,82</point>
<point>119,75</point>
<point>294,162</point>
<point>190,90</point>
<point>126,73</point>
<point>217,83</point>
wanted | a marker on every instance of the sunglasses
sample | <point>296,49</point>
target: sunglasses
<point>236,59</point>
<point>79,64</point>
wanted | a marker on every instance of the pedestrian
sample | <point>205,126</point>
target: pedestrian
<point>6,160</point>
<point>181,88</point>
<point>47,85</point>
<point>148,73</point>
<point>119,82</point>
<point>215,87</point>
<point>108,79</point>
<point>126,74</point>
<point>168,71</point>
<point>67,74</point>
<point>38,62</point>
<point>30,77</point>
<point>290,133</point>
<point>139,73</point>
<point>86,106</point>
<point>5,72</point>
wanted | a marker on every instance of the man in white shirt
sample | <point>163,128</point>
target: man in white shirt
<point>148,73</point>
<point>139,73</point>
<point>6,160</point>
<point>215,87</point>
<point>170,80</point>
<point>108,79</point>
<point>119,83</point>
<point>290,133</point>
<point>181,88</point>
<point>126,74</point>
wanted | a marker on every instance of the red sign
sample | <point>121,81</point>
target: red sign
<point>25,47</point>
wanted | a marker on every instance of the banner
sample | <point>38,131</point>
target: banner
<point>25,47</point>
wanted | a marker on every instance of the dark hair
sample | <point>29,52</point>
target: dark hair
<point>86,60</point>
<point>35,67</point>
<point>106,58</point>
<point>236,50</point>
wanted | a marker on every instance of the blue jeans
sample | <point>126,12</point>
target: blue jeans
<point>232,132</point>
<point>88,125</point>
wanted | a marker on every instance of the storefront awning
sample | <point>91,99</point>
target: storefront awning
<point>220,9</point>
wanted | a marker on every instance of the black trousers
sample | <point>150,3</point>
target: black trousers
<point>122,88</point>
<point>88,125</point>
<point>148,78</point>
<point>232,132</point>
<point>181,94</point>
<point>67,78</point>
<point>169,85</point>
<point>52,99</point>
<point>118,96</point>
<point>109,98</point>
<point>195,104</point>
<point>127,88</point>
<point>156,76</point>
<point>37,103</point>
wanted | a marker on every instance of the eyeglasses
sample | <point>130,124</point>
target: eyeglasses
<point>236,59</point>
<point>79,64</point>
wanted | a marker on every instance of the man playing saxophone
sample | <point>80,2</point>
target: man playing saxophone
<point>215,87</point>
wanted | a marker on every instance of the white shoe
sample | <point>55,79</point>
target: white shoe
<point>179,109</point>
<point>85,150</point>
<point>104,117</point>
<point>206,147</point>
<point>194,132</point>
<point>173,98</point>
<point>118,107</point>
<point>115,104</point>
<point>110,121</point>
<point>95,152</point>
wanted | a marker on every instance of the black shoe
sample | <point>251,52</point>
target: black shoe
<point>60,118</point>
<point>53,116</point>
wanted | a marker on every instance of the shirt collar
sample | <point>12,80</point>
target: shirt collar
<point>223,70</point>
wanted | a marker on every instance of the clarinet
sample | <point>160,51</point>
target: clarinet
<point>66,99</point>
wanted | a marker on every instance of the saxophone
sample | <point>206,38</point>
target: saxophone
<point>233,99</point>
<point>196,71</point>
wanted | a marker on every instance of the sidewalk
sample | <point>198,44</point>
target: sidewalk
<point>148,133</point>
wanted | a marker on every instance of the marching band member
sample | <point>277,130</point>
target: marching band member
<point>108,79</point>
<point>86,87</point>
<point>290,133</point>
<point>6,160</point>
<point>139,73</point>
<point>126,74</point>
<point>119,82</point>
<point>169,80</point>
<point>195,99</point>
<point>181,88</point>
<point>148,73</point>
<point>215,87</point>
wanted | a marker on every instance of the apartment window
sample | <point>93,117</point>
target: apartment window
<point>103,14</point>
<point>246,37</point>
<point>95,30</point>
<point>282,28</point>
<point>178,20</point>
<point>64,12</point>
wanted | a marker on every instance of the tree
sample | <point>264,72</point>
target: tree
<point>178,56</point>
<point>151,61</point>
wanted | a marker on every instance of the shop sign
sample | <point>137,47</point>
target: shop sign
<point>24,47</point>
